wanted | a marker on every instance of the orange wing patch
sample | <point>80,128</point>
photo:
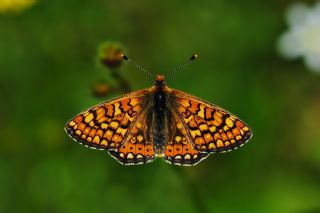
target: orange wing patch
<point>212,128</point>
<point>180,150</point>
<point>136,149</point>
<point>106,125</point>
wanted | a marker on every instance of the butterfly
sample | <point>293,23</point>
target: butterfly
<point>158,122</point>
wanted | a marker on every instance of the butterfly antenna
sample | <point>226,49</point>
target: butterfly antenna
<point>192,58</point>
<point>136,65</point>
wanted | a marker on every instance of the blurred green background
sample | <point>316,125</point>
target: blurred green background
<point>48,63</point>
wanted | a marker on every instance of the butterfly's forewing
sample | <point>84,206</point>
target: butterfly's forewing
<point>107,125</point>
<point>211,128</point>
<point>137,148</point>
<point>179,150</point>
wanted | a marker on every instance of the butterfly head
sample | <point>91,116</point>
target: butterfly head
<point>160,81</point>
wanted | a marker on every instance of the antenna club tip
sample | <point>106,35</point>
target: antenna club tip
<point>194,56</point>
<point>124,57</point>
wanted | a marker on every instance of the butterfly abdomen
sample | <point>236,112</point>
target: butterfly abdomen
<point>159,111</point>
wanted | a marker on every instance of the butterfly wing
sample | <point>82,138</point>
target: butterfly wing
<point>138,148</point>
<point>211,128</point>
<point>107,125</point>
<point>179,149</point>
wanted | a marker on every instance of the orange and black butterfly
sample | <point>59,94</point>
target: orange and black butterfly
<point>159,122</point>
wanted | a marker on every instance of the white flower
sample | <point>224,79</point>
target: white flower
<point>303,37</point>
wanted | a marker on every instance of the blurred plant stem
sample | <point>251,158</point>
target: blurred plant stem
<point>123,84</point>
<point>109,55</point>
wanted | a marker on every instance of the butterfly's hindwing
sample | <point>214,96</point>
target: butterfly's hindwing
<point>179,147</point>
<point>136,148</point>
